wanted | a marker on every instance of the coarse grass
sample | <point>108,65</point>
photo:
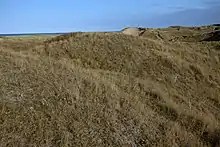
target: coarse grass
<point>110,89</point>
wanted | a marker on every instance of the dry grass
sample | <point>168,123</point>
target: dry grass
<point>110,89</point>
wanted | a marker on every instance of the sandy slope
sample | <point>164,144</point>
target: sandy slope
<point>111,89</point>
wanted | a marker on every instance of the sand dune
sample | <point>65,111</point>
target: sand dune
<point>146,87</point>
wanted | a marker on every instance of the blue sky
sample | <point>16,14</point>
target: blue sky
<point>29,16</point>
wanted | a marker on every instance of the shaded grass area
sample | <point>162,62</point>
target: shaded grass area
<point>109,89</point>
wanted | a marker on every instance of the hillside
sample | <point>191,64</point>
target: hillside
<point>159,87</point>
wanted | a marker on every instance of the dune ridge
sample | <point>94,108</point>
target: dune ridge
<point>145,87</point>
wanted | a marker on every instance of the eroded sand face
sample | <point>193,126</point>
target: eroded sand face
<point>133,31</point>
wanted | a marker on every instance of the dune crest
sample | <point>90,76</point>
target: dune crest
<point>111,89</point>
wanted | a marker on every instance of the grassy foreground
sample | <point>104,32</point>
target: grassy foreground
<point>110,89</point>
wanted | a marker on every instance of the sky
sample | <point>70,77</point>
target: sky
<point>52,16</point>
